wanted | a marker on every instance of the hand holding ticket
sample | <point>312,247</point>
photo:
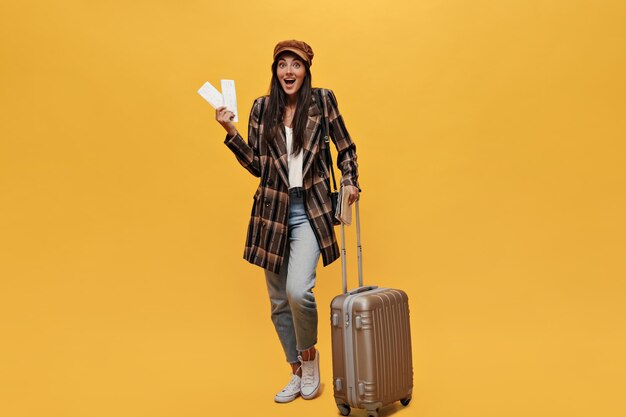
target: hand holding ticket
<point>227,97</point>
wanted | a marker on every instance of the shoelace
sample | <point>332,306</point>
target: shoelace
<point>308,373</point>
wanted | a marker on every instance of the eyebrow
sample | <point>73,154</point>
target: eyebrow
<point>298,59</point>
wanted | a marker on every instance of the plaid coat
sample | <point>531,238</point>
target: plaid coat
<point>267,231</point>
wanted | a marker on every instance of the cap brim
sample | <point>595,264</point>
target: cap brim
<point>295,51</point>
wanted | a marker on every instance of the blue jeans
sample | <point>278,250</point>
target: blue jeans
<point>294,312</point>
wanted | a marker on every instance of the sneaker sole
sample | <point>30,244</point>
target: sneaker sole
<point>311,395</point>
<point>283,400</point>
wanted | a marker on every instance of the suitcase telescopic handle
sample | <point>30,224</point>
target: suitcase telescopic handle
<point>358,248</point>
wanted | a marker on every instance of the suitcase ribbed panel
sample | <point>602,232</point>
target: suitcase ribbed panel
<point>382,348</point>
<point>393,349</point>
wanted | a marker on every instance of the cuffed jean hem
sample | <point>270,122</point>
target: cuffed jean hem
<point>305,349</point>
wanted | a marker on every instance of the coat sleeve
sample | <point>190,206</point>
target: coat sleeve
<point>346,149</point>
<point>247,153</point>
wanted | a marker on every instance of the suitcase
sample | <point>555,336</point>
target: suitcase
<point>371,343</point>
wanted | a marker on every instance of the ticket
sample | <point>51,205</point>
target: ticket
<point>230,97</point>
<point>210,94</point>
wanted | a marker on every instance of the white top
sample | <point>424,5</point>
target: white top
<point>294,163</point>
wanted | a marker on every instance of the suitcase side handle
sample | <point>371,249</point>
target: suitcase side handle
<point>363,289</point>
<point>358,248</point>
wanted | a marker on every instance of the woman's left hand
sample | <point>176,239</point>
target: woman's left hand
<point>354,193</point>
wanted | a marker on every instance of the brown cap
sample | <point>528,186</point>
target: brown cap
<point>299,48</point>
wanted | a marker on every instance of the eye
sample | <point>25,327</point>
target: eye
<point>296,65</point>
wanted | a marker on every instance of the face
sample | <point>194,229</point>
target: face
<point>290,73</point>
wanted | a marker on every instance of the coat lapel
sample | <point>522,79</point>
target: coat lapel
<point>279,151</point>
<point>312,135</point>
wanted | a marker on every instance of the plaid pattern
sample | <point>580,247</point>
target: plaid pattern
<point>267,231</point>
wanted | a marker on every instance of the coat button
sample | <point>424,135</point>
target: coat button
<point>267,202</point>
<point>321,174</point>
<point>270,182</point>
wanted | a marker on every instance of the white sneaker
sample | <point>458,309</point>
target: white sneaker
<point>290,392</point>
<point>310,377</point>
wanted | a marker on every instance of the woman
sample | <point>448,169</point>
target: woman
<point>292,219</point>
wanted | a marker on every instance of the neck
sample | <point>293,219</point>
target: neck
<point>292,101</point>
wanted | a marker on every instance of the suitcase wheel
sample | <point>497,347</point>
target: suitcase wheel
<point>405,401</point>
<point>343,409</point>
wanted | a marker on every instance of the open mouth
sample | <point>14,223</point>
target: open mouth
<point>290,82</point>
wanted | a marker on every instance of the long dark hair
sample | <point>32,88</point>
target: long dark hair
<point>273,116</point>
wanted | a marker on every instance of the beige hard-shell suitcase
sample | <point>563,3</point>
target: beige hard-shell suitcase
<point>371,340</point>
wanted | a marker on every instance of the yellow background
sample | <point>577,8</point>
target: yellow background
<point>490,137</point>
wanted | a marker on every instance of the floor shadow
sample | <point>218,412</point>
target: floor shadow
<point>386,411</point>
<point>391,409</point>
